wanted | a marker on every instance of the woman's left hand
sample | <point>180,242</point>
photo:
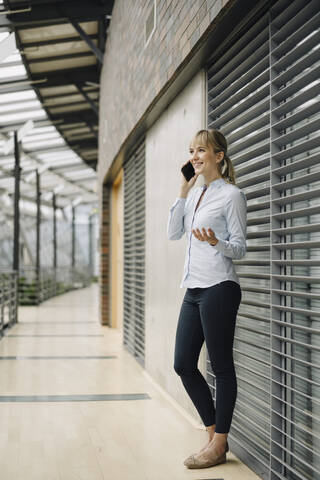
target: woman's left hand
<point>204,236</point>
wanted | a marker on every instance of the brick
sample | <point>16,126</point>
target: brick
<point>195,37</point>
<point>215,9</point>
<point>204,24</point>
<point>185,50</point>
<point>210,4</point>
<point>191,28</point>
<point>202,11</point>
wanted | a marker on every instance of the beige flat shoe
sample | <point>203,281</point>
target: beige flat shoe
<point>190,460</point>
<point>195,463</point>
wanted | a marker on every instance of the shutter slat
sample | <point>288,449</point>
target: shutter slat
<point>134,254</point>
<point>263,94</point>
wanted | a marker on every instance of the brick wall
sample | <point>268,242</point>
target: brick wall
<point>133,74</point>
<point>104,277</point>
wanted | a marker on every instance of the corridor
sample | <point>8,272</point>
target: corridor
<point>74,405</point>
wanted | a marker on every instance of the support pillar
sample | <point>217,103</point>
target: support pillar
<point>54,206</point>
<point>16,225</point>
<point>38,279</point>
<point>73,245</point>
<point>16,231</point>
<point>90,247</point>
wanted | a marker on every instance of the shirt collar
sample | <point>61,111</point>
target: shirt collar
<point>217,183</point>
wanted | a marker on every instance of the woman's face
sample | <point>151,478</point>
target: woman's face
<point>203,158</point>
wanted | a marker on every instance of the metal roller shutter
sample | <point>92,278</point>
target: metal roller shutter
<point>134,254</point>
<point>263,94</point>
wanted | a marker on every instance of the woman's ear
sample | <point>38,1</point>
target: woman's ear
<point>220,157</point>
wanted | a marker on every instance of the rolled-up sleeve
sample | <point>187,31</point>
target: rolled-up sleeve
<point>236,218</point>
<point>175,226</point>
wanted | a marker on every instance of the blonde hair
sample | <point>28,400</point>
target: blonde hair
<point>217,140</point>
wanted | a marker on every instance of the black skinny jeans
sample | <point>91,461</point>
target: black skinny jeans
<point>209,314</point>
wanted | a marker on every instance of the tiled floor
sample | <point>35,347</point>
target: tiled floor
<point>66,406</point>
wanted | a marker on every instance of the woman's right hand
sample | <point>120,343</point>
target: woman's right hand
<point>187,185</point>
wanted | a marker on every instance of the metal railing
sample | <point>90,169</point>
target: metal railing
<point>8,299</point>
<point>35,288</point>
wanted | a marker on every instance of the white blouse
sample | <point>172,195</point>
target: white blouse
<point>223,208</point>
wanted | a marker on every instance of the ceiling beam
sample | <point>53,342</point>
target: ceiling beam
<point>8,127</point>
<point>81,75</point>
<point>69,167</point>
<point>50,13</point>
<point>96,50</point>
<point>91,127</point>
<point>75,13</point>
<point>88,88</point>
<point>67,77</point>
<point>17,85</point>
<point>67,56</point>
<point>53,106</point>
<point>88,99</point>
<point>86,143</point>
<point>83,144</point>
<point>55,41</point>
<point>74,117</point>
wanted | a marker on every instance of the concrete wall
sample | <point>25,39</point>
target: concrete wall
<point>167,148</point>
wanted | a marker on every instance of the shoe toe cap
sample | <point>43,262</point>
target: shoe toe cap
<point>189,461</point>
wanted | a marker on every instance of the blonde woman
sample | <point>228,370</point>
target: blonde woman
<point>213,216</point>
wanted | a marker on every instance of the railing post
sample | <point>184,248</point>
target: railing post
<point>16,227</point>
<point>38,280</point>
<point>73,260</point>
<point>54,205</point>
<point>90,248</point>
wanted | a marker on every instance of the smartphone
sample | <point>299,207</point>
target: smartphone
<point>188,171</point>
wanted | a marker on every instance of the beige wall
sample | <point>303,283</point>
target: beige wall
<point>167,148</point>
<point>117,252</point>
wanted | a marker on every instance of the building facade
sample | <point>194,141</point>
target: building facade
<point>251,70</point>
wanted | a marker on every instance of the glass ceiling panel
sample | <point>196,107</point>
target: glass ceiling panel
<point>82,173</point>
<point>44,143</point>
<point>50,128</point>
<point>24,95</point>
<point>3,35</point>
<point>33,138</point>
<point>22,116</point>
<point>26,162</point>
<point>20,106</point>
<point>7,183</point>
<point>53,155</point>
<point>15,57</point>
<point>18,70</point>
<point>6,161</point>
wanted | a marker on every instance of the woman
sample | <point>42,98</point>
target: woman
<point>213,216</point>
